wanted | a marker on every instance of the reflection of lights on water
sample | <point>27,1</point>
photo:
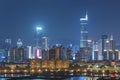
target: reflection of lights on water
<point>11,75</point>
<point>83,78</point>
<point>103,74</point>
<point>5,75</point>
<point>71,74</point>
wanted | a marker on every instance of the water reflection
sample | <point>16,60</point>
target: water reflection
<point>83,78</point>
<point>73,78</point>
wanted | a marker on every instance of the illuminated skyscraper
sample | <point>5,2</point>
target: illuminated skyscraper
<point>112,43</point>
<point>19,43</point>
<point>17,54</point>
<point>29,52</point>
<point>104,54</point>
<point>38,37</point>
<point>7,49</point>
<point>45,43</point>
<point>84,31</point>
<point>84,48</point>
<point>112,48</point>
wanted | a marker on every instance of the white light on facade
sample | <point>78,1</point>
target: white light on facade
<point>38,28</point>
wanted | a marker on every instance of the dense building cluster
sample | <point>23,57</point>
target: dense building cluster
<point>88,50</point>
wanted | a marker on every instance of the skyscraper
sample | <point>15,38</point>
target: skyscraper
<point>38,37</point>
<point>7,47</point>
<point>84,48</point>
<point>45,43</point>
<point>29,52</point>
<point>112,48</point>
<point>19,43</point>
<point>17,54</point>
<point>84,31</point>
<point>104,54</point>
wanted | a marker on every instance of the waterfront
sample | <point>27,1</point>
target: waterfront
<point>83,78</point>
<point>28,77</point>
<point>73,78</point>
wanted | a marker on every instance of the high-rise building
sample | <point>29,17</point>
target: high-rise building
<point>112,43</point>
<point>84,47</point>
<point>45,43</point>
<point>38,37</point>
<point>19,43</point>
<point>99,43</point>
<point>7,49</point>
<point>17,55</point>
<point>38,53</point>
<point>57,53</point>
<point>84,31</point>
<point>104,54</point>
<point>45,54</point>
<point>106,48</point>
<point>29,52</point>
<point>52,54</point>
<point>95,49</point>
<point>77,56</point>
<point>2,55</point>
<point>116,55</point>
<point>69,54</point>
<point>63,52</point>
<point>112,48</point>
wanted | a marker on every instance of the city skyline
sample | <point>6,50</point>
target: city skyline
<point>59,19</point>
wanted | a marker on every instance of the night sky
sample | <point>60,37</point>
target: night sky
<point>59,19</point>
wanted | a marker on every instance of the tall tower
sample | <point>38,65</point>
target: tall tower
<point>7,49</point>
<point>112,48</point>
<point>104,39</point>
<point>84,31</point>
<point>45,43</point>
<point>38,36</point>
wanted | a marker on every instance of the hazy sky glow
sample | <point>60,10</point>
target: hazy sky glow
<point>59,19</point>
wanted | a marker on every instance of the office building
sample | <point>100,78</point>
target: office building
<point>45,54</point>
<point>84,31</point>
<point>29,52</point>
<point>45,43</point>
<point>19,43</point>
<point>38,37</point>
<point>7,47</point>
<point>52,54</point>
<point>17,55</point>
<point>104,54</point>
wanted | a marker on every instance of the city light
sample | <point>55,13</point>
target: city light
<point>53,40</point>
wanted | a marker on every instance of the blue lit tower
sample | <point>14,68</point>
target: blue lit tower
<point>38,36</point>
<point>7,49</point>
<point>84,31</point>
<point>104,39</point>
